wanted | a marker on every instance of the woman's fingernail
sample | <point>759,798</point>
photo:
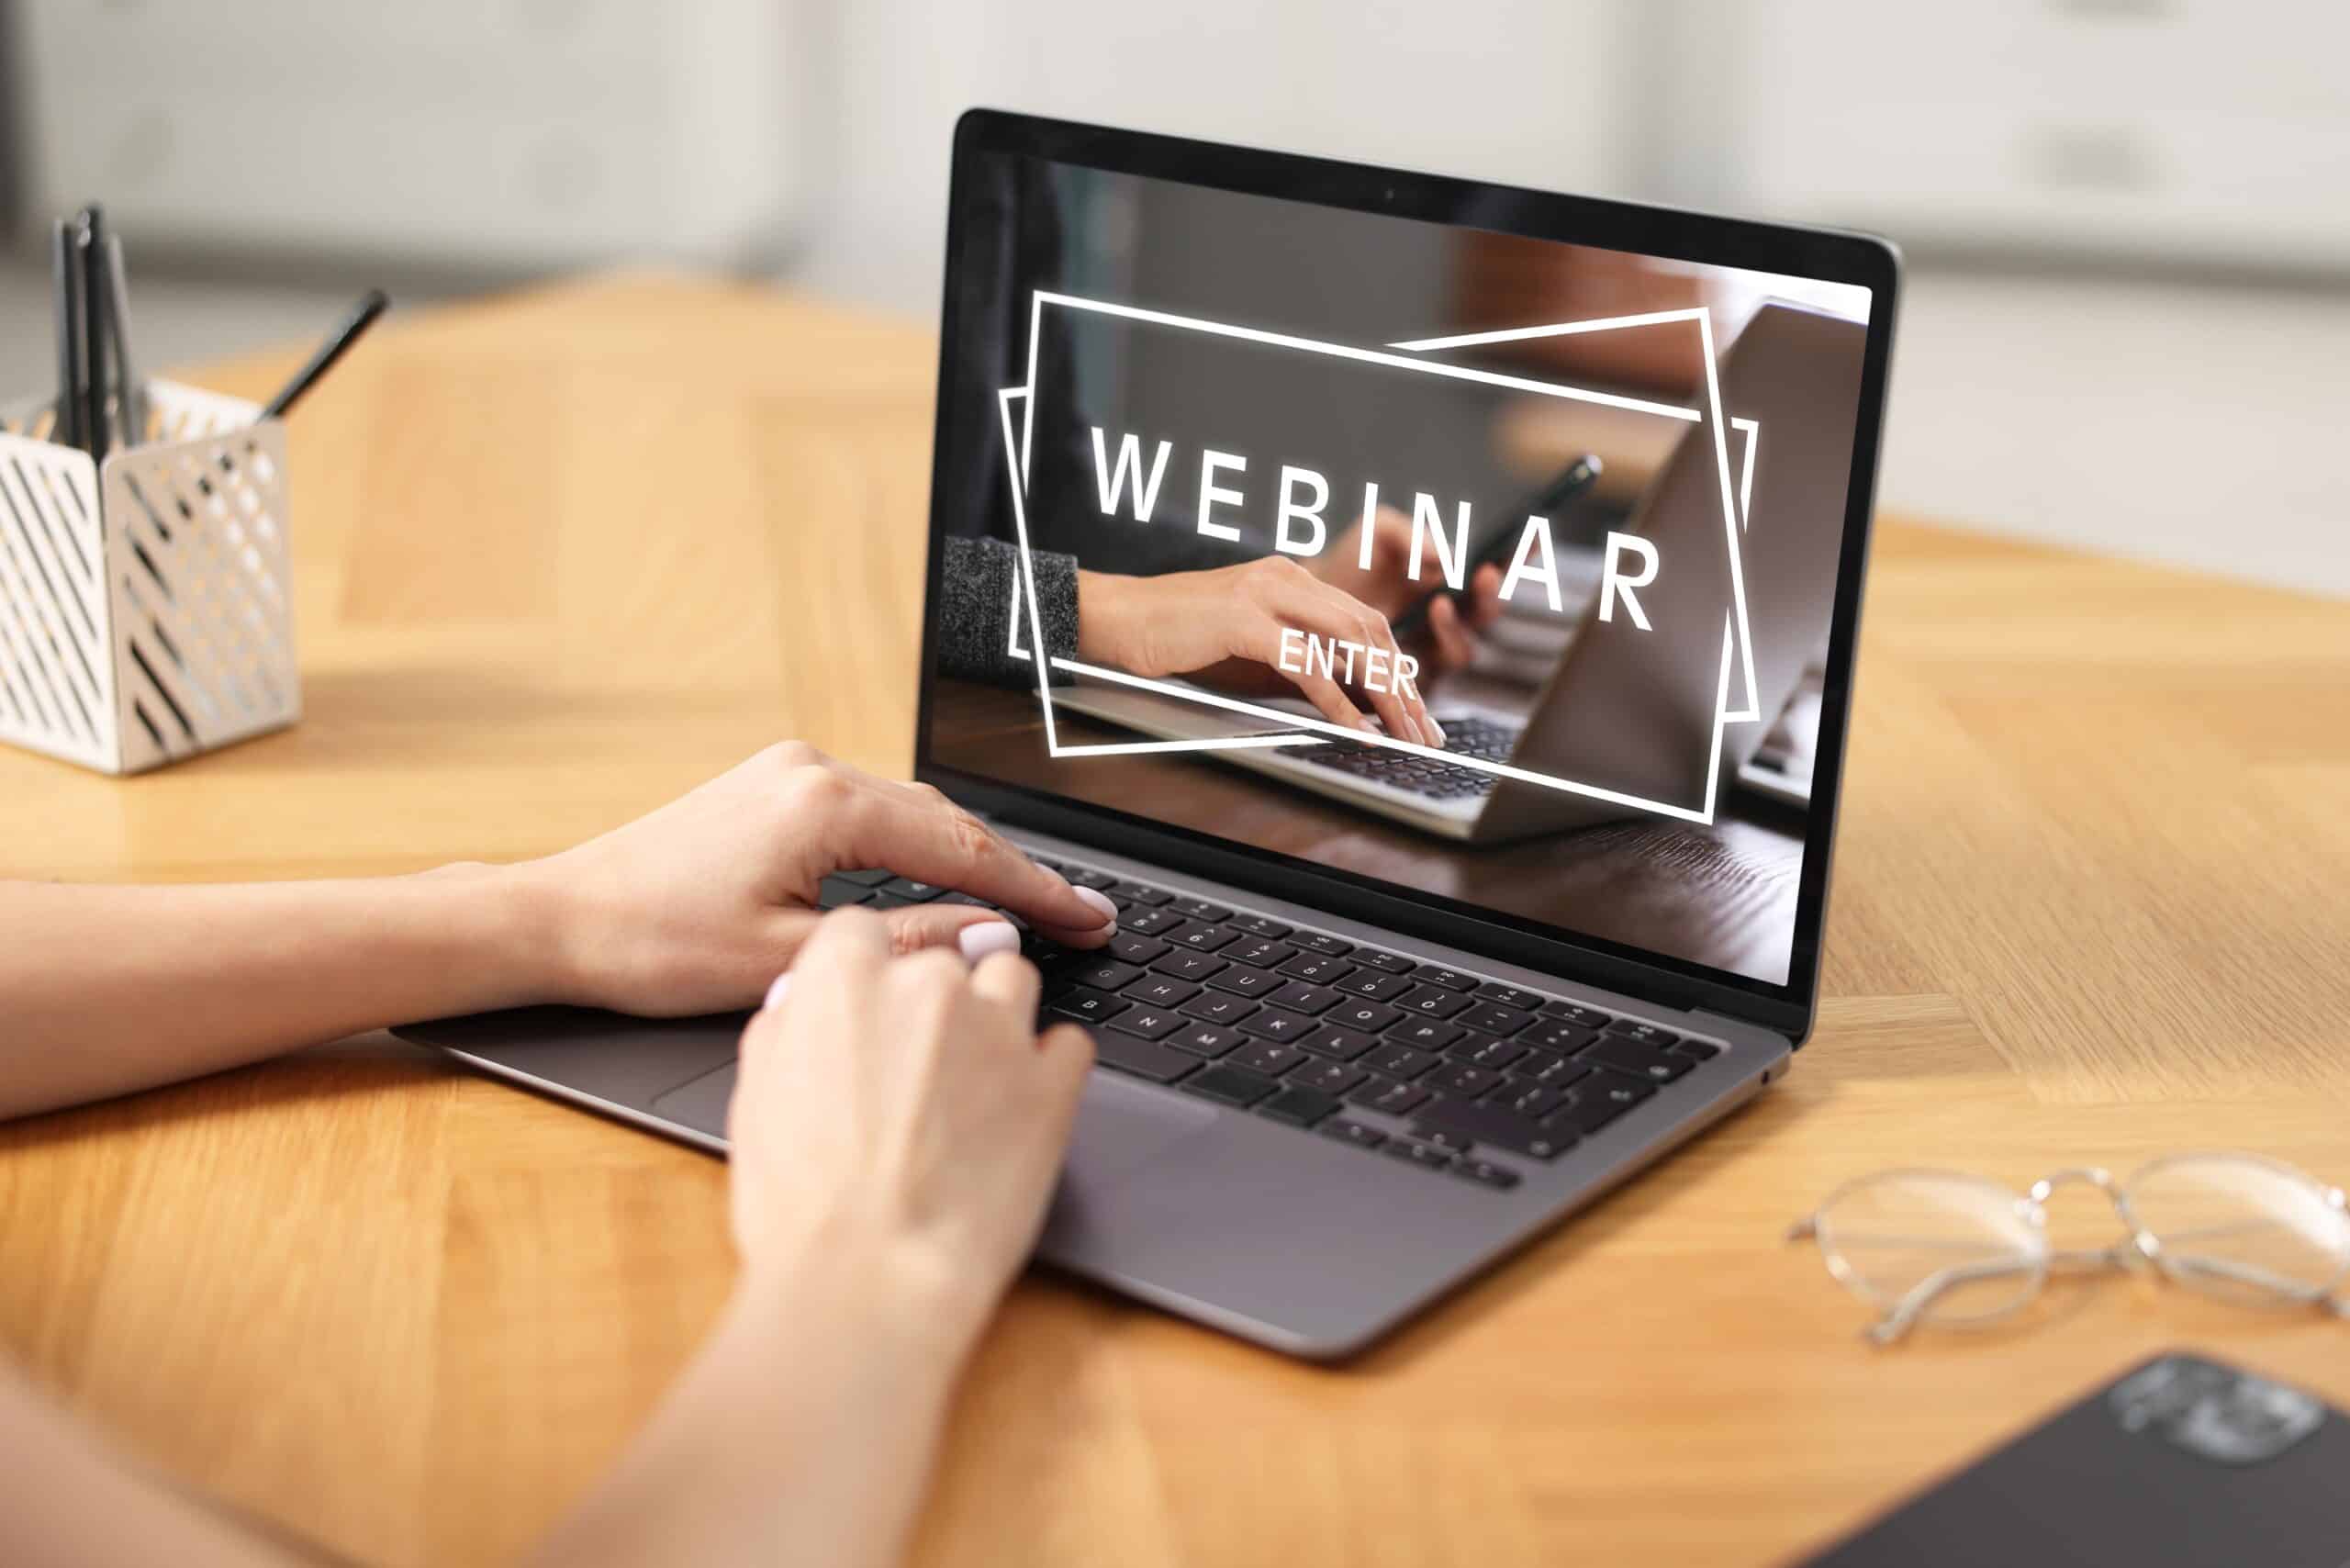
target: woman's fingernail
<point>1435,732</point>
<point>979,939</point>
<point>777,991</point>
<point>1101,903</point>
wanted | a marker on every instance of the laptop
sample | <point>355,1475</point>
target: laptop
<point>1793,371</point>
<point>1340,1074</point>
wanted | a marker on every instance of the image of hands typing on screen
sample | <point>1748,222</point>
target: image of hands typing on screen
<point>1350,629</point>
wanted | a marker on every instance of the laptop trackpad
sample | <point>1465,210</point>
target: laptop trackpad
<point>699,1103</point>
<point>1121,1126</point>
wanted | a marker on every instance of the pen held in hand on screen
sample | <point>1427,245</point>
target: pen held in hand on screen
<point>329,352</point>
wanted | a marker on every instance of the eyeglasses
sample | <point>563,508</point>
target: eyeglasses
<point>1943,1246</point>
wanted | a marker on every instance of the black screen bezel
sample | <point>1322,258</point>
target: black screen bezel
<point>1825,255</point>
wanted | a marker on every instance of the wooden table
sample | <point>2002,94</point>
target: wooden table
<point>564,554</point>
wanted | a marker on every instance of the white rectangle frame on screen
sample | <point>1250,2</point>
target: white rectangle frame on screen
<point>1737,648</point>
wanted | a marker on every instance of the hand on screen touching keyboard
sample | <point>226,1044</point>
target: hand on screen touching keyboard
<point>1227,625</point>
<point>695,908</point>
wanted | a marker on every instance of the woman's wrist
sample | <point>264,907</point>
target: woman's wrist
<point>528,926</point>
<point>928,1309</point>
<point>1102,609</point>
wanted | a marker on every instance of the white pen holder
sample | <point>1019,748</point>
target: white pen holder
<point>146,612</point>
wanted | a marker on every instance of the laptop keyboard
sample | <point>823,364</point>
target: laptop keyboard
<point>1308,1029</point>
<point>1480,738</point>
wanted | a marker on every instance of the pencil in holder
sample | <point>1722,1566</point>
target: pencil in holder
<point>145,607</point>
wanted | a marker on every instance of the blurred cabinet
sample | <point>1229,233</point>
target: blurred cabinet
<point>2215,131</point>
<point>508,131</point>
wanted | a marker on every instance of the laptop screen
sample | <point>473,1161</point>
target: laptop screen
<point>1491,571</point>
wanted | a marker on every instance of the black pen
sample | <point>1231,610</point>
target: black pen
<point>64,426</point>
<point>328,351</point>
<point>93,332</point>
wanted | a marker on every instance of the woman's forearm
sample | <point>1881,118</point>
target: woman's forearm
<point>804,1431</point>
<point>106,990</point>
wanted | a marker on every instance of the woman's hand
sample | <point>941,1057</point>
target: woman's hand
<point>1182,622</point>
<point>903,1111</point>
<point>1389,587</point>
<point>695,908</point>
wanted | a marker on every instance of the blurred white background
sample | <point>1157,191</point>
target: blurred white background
<point>2128,221</point>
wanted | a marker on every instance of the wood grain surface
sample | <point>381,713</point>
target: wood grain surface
<point>561,555</point>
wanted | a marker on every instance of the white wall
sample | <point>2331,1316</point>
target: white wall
<point>1540,92</point>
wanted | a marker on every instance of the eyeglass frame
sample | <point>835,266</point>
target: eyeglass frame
<point>2139,1244</point>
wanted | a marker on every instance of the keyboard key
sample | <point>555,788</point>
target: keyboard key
<point>1078,876</point>
<point>1148,1023</point>
<point>1299,1105</point>
<point>1318,968</point>
<point>1451,980</point>
<point>836,892</point>
<point>1216,1007</point>
<point>1257,925</point>
<point>1704,1051</point>
<point>1268,1057</point>
<point>882,902</point>
<point>1341,1044</point>
<point>1486,1052</point>
<point>1140,1058</point>
<point>1533,1102</point>
<point>1207,938</point>
<point>1206,1040</point>
<point>1089,1005</point>
<point>1574,1013</point>
<point>1272,1024</point>
<point>1302,997</point>
<point>1625,1055</point>
<point>1248,982</point>
<point>1465,1079</point>
<point>1395,1099</point>
<point>1332,1078</point>
<point>1399,1061</point>
<point>1159,990</point>
<point>1421,1154</point>
<point>1548,1068</point>
<point>1104,974</point>
<point>1600,1101</point>
<point>1394,963</point>
<point>1152,922</point>
<point>1199,909</point>
<point>872,878</point>
<point>1431,1002</point>
<point>1185,964</point>
<point>1460,1124</point>
<point>1259,952</point>
<point>1501,1178</point>
<point>1510,996</point>
<point>1230,1085</point>
<point>1315,942</point>
<point>1135,892</point>
<point>1492,1018</point>
<point>1134,949</point>
<point>1647,1034</point>
<point>1427,1034</point>
<point>1370,1016</point>
<point>1362,1135</point>
<point>1564,1038</point>
<point>1377,986</point>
